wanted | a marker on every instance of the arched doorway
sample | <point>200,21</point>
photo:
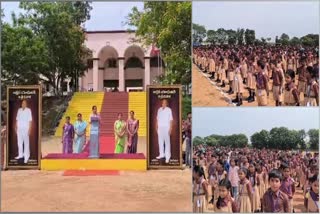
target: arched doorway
<point>108,68</point>
<point>134,69</point>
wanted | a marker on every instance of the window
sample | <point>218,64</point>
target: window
<point>155,61</point>
<point>134,62</point>
<point>112,63</point>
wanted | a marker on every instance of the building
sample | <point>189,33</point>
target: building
<point>119,62</point>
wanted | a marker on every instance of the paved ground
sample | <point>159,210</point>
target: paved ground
<point>44,191</point>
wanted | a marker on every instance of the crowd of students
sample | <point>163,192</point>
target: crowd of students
<point>252,180</point>
<point>290,73</point>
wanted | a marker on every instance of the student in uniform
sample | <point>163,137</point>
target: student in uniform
<point>234,178</point>
<point>224,203</point>
<point>291,94</point>
<point>277,83</point>
<point>288,186</point>
<point>200,190</point>
<point>302,79</point>
<point>255,191</point>
<point>244,201</point>
<point>274,200</point>
<point>311,201</point>
<point>237,83</point>
<point>311,96</point>
<point>262,85</point>
<point>251,81</point>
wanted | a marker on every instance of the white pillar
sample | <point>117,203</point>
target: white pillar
<point>80,84</point>
<point>121,74</point>
<point>146,72</point>
<point>68,85</point>
<point>95,74</point>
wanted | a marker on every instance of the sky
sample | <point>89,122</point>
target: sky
<point>227,121</point>
<point>104,15</point>
<point>268,19</point>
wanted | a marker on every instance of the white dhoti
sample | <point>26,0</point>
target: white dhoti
<point>23,144</point>
<point>164,142</point>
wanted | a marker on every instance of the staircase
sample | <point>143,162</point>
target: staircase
<point>138,104</point>
<point>81,102</point>
<point>113,103</point>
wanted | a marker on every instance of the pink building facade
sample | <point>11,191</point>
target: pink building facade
<point>118,62</point>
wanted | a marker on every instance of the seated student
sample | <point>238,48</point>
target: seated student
<point>311,201</point>
<point>225,203</point>
<point>274,200</point>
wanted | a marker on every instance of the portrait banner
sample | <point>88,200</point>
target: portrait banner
<point>24,105</point>
<point>164,134</point>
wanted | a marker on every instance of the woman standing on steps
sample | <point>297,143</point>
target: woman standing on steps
<point>94,133</point>
<point>120,134</point>
<point>80,127</point>
<point>132,129</point>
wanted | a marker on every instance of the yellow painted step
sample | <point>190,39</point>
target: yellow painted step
<point>81,102</point>
<point>138,104</point>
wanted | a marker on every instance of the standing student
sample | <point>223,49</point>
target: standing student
<point>255,192</point>
<point>200,190</point>
<point>67,137</point>
<point>220,174</point>
<point>80,131</point>
<point>132,132</point>
<point>291,94</point>
<point>311,201</point>
<point>245,192</point>
<point>311,96</point>
<point>234,178</point>
<point>212,67</point>
<point>274,200</point>
<point>288,186</point>
<point>120,134</point>
<point>277,83</point>
<point>230,76</point>
<point>261,180</point>
<point>225,203</point>
<point>94,121</point>
<point>262,85</point>
<point>302,80</point>
<point>211,173</point>
<point>251,81</point>
<point>237,83</point>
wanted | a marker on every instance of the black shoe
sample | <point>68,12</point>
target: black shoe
<point>211,201</point>
<point>223,85</point>
<point>235,100</point>
<point>231,92</point>
<point>230,89</point>
<point>239,103</point>
<point>218,81</point>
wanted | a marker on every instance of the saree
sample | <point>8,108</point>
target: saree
<point>120,141</point>
<point>80,128</point>
<point>133,126</point>
<point>67,138</point>
<point>94,136</point>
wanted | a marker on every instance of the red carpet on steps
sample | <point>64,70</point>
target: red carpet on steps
<point>90,172</point>
<point>107,144</point>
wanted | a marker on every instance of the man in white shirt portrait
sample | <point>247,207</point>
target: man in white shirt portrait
<point>23,130</point>
<point>164,130</point>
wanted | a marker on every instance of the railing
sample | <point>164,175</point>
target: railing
<point>65,103</point>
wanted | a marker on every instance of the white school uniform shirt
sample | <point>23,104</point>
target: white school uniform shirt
<point>24,117</point>
<point>164,117</point>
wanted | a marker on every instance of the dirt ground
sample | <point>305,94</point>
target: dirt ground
<point>206,93</point>
<point>47,191</point>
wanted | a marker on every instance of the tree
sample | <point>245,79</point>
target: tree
<point>222,36</point>
<point>295,41</point>
<point>284,39</point>
<point>167,25</point>
<point>51,43</point>
<point>232,37</point>
<point>240,35</point>
<point>198,33</point>
<point>197,141</point>
<point>260,139</point>
<point>310,40</point>
<point>313,139</point>
<point>211,37</point>
<point>249,36</point>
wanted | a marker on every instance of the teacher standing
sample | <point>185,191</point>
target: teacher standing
<point>94,133</point>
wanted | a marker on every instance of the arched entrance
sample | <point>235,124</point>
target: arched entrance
<point>108,68</point>
<point>134,69</point>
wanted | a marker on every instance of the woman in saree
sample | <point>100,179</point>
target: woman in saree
<point>94,133</point>
<point>119,132</point>
<point>67,137</point>
<point>80,127</point>
<point>132,129</point>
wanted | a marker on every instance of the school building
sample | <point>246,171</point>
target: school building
<point>119,61</point>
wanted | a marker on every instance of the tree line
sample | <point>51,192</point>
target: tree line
<point>243,36</point>
<point>277,138</point>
